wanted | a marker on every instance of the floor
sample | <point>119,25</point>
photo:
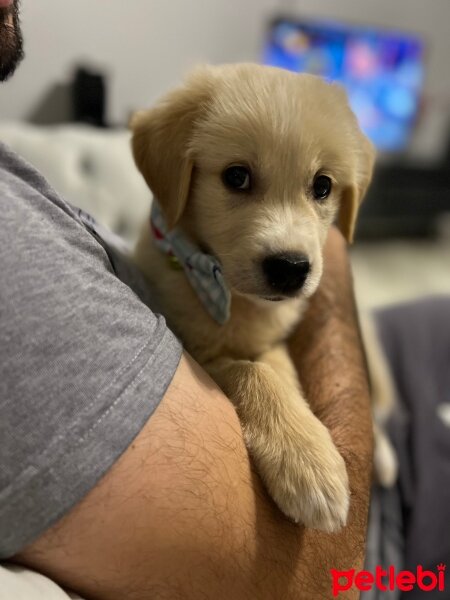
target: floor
<point>397,271</point>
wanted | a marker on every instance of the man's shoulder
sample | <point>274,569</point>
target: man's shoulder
<point>38,224</point>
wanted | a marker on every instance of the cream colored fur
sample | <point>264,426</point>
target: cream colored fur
<point>286,128</point>
<point>383,396</point>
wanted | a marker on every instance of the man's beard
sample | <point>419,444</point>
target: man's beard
<point>11,44</point>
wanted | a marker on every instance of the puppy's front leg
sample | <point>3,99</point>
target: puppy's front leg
<point>293,451</point>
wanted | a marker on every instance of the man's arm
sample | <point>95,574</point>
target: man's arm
<point>328,353</point>
<point>182,515</point>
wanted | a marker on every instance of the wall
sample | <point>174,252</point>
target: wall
<point>146,45</point>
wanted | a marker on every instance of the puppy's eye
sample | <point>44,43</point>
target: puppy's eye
<point>321,187</point>
<point>237,177</point>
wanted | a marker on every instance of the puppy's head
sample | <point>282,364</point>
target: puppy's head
<point>255,163</point>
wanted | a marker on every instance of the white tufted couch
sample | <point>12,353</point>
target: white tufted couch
<point>91,168</point>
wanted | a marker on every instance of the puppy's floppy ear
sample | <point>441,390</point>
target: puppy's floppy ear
<point>161,143</point>
<point>354,193</point>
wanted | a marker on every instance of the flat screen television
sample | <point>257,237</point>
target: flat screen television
<point>382,70</point>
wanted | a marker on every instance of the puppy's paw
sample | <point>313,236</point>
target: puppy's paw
<point>306,478</point>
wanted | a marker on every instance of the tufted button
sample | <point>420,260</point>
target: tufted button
<point>87,165</point>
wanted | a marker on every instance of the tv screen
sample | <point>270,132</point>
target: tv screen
<point>382,70</point>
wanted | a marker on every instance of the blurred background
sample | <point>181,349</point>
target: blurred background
<point>89,65</point>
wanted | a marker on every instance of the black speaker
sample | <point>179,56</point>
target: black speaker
<point>89,97</point>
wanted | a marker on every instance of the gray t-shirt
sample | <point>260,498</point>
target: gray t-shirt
<point>83,361</point>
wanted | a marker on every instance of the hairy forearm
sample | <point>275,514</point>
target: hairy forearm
<point>328,354</point>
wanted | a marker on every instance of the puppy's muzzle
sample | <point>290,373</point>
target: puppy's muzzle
<point>286,273</point>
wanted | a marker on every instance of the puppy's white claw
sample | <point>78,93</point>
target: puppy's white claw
<point>309,484</point>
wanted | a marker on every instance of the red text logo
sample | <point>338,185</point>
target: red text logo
<point>389,579</point>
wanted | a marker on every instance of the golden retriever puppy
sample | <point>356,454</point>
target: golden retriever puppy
<point>250,166</point>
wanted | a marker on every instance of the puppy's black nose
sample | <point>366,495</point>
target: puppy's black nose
<point>286,272</point>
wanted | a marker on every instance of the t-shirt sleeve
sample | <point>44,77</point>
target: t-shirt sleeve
<point>83,362</point>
